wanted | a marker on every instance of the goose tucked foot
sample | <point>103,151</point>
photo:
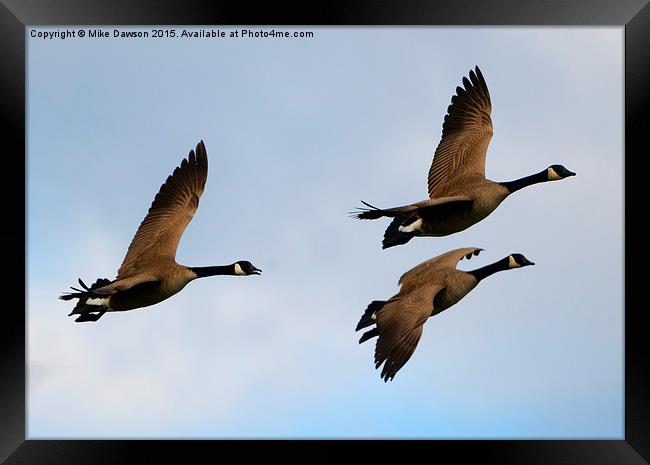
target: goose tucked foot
<point>90,316</point>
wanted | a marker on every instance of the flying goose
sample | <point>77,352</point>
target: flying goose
<point>149,273</point>
<point>459,193</point>
<point>426,290</point>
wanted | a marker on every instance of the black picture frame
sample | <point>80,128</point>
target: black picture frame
<point>633,15</point>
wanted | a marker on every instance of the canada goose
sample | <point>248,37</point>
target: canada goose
<point>149,273</point>
<point>426,290</point>
<point>460,196</point>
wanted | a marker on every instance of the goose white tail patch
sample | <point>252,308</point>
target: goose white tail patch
<point>238,270</point>
<point>99,301</point>
<point>415,226</point>
<point>512,263</point>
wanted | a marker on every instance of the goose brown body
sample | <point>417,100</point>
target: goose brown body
<point>485,197</point>
<point>171,281</point>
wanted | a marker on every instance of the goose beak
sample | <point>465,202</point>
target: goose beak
<point>571,173</point>
<point>528,262</point>
<point>256,271</point>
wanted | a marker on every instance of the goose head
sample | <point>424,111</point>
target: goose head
<point>245,268</point>
<point>557,172</point>
<point>517,260</point>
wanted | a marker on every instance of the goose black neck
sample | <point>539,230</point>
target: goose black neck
<point>517,184</point>
<point>488,270</point>
<point>203,271</point>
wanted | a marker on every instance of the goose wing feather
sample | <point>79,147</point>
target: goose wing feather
<point>126,283</point>
<point>466,134</point>
<point>399,324</point>
<point>170,213</point>
<point>425,270</point>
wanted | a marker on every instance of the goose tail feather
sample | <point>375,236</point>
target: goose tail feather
<point>85,310</point>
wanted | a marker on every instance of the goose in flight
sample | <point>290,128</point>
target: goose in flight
<point>426,290</point>
<point>459,194</point>
<point>149,273</point>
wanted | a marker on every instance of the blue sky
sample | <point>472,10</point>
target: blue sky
<point>297,132</point>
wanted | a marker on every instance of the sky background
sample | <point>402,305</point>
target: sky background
<point>298,131</point>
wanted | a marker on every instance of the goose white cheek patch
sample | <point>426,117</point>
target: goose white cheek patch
<point>512,263</point>
<point>99,301</point>
<point>552,175</point>
<point>238,270</point>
